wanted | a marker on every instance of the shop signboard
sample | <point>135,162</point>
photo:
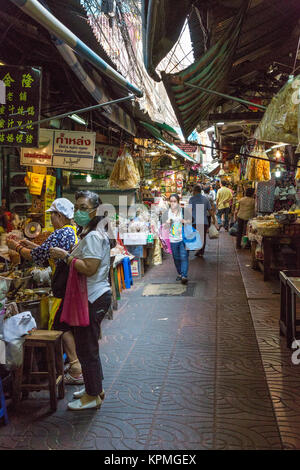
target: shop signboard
<point>106,156</point>
<point>71,150</point>
<point>50,195</point>
<point>21,105</point>
<point>42,154</point>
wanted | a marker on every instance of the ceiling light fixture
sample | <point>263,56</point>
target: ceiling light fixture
<point>275,147</point>
<point>78,119</point>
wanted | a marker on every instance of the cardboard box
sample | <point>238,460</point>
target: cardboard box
<point>139,238</point>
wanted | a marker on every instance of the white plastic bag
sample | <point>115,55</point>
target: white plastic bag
<point>17,326</point>
<point>213,232</point>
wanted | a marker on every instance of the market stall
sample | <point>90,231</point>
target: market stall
<point>275,242</point>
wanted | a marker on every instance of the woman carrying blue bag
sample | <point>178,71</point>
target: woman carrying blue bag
<point>179,239</point>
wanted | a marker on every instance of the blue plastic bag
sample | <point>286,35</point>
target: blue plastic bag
<point>191,238</point>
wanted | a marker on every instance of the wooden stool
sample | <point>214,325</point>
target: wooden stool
<point>52,341</point>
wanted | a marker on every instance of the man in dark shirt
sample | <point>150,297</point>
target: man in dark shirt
<point>201,225</point>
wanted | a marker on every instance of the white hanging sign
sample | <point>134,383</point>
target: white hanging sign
<point>62,149</point>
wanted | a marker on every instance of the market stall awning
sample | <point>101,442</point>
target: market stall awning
<point>211,169</point>
<point>162,24</point>
<point>211,72</point>
<point>157,134</point>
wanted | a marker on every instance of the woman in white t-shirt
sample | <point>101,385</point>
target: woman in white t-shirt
<point>180,254</point>
<point>93,260</point>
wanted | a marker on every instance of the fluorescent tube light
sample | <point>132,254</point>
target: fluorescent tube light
<point>78,119</point>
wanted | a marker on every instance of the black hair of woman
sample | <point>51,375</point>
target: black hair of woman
<point>176,197</point>
<point>249,192</point>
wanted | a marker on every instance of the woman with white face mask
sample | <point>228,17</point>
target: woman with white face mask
<point>92,259</point>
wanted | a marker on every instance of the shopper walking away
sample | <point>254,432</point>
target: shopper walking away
<point>245,212</point>
<point>92,259</point>
<point>224,197</point>
<point>180,254</point>
<point>201,225</point>
<point>65,237</point>
<point>210,195</point>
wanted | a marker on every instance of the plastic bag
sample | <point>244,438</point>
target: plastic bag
<point>191,238</point>
<point>234,229</point>
<point>279,123</point>
<point>165,239</point>
<point>124,175</point>
<point>17,326</point>
<point>75,309</point>
<point>35,182</point>
<point>213,232</point>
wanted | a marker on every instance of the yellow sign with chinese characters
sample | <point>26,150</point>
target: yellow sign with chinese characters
<point>50,196</point>
<point>20,107</point>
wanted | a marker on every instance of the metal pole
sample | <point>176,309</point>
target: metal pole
<point>223,95</point>
<point>79,111</point>
<point>40,14</point>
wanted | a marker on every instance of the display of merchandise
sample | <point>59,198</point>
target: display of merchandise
<point>258,169</point>
<point>280,120</point>
<point>265,196</point>
<point>125,174</point>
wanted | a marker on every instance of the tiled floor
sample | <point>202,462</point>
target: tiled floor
<point>203,371</point>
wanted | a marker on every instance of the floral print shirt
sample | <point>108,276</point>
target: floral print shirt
<point>62,238</point>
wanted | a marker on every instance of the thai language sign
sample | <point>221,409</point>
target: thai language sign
<point>62,149</point>
<point>21,105</point>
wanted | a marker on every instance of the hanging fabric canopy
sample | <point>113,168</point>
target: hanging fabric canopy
<point>211,71</point>
<point>162,22</point>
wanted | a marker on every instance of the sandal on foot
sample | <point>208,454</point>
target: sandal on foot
<point>70,380</point>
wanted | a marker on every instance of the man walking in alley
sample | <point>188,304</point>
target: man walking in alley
<point>224,197</point>
<point>201,225</point>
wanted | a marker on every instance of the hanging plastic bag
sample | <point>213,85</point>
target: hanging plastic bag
<point>279,123</point>
<point>75,309</point>
<point>213,232</point>
<point>124,174</point>
<point>165,239</point>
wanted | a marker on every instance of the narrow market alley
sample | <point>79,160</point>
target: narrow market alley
<point>202,370</point>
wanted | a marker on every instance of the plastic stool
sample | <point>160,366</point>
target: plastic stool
<point>127,272</point>
<point>3,411</point>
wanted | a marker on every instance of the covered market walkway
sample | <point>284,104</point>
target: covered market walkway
<point>205,369</point>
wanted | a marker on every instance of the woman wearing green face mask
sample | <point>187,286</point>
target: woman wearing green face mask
<point>92,260</point>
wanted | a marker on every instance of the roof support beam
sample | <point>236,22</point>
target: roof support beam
<point>228,97</point>
<point>77,111</point>
<point>236,117</point>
